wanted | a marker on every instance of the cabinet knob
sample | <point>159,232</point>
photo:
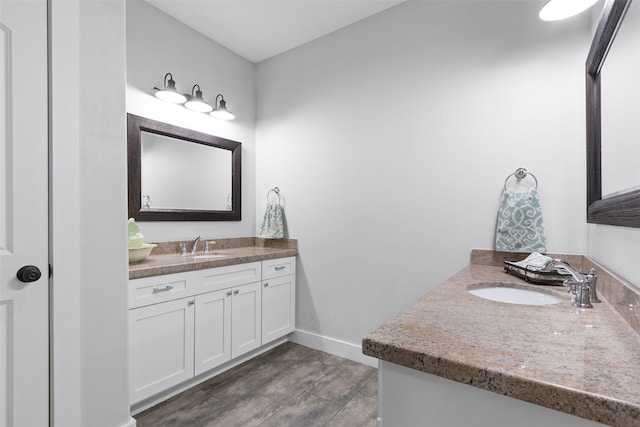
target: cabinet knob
<point>191,302</point>
<point>229,293</point>
<point>266,285</point>
<point>236,292</point>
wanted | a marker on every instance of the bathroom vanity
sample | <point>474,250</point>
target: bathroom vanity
<point>456,359</point>
<point>192,317</point>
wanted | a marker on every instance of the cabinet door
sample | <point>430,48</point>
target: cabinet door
<point>278,307</point>
<point>213,330</point>
<point>246,319</point>
<point>160,346</point>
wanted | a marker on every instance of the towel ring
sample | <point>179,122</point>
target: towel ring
<point>520,174</point>
<point>275,190</point>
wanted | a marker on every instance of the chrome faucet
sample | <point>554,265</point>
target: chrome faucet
<point>208,245</point>
<point>195,245</point>
<point>582,285</point>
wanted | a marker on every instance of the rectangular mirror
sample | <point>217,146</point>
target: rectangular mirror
<point>613,196</point>
<point>177,174</point>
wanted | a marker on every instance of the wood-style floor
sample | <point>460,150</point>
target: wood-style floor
<point>288,386</point>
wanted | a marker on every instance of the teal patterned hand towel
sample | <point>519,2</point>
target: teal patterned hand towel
<point>520,227</point>
<point>273,222</point>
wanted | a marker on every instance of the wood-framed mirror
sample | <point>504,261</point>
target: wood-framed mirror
<point>619,207</point>
<point>178,174</point>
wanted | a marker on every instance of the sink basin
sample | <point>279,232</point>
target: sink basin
<point>206,256</point>
<point>515,294</point>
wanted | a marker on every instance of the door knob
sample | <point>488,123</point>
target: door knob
<point>29,273</point>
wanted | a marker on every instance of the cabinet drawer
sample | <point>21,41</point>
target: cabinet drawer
<point>218,278</point>
<point>153,290</point>
<point>278,267</point>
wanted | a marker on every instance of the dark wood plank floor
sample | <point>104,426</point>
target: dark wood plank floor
<point>288,386</point>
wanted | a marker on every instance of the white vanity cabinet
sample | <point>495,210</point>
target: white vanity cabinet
<point>183,325</point>
<point>278,298</point>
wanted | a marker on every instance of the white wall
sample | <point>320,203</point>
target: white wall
<point>158,44</point>
<point>391,140</point>
<point>88,208</point>
<point>617,248</point>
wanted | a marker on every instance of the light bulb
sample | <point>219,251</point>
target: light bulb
<point>556,10</point>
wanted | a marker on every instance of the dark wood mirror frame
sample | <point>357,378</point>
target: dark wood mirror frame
<point>622,209</point>
<point>137,124</point>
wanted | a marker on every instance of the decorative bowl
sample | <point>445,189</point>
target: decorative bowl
<point>139,254</point>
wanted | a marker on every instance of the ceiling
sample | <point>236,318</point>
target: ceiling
<point>260,29</point>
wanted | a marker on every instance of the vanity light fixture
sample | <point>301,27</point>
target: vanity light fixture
<point>556,10</point>
<point>196,102</point>
<point>169,93</point>
<point>220,111</point>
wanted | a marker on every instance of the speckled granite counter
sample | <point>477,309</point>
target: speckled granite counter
<point>585,362</point>
<point>166,259</point>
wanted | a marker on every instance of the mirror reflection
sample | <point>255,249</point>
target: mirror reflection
<point>620,103</point>
<point>177,174</point>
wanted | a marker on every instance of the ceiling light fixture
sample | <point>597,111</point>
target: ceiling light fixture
<point>169,93</point>
<point>220,111</point>
<point>556,10</point>
<point>196,102</point>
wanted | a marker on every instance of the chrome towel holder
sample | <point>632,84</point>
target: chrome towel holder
<point>275,190</point>
<point>520,174</point>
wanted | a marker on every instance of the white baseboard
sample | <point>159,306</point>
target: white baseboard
<point>334,346</point>
<point>131,423</point>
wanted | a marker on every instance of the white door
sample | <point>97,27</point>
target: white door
<point>24,304</point>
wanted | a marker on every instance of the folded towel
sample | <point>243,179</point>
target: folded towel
<point>273,222</point>
<point>520,227</point>
<point>535,261</point>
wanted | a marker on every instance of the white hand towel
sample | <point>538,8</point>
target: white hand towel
<point>536,261</point>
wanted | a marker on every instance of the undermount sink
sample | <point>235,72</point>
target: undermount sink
<point>514,294</point>
<point>205,256</point>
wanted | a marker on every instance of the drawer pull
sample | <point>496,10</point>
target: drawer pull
<point>266,285</point>
<point>236,292</point>
<point>280,267</point>
<point>229,293</point>
<point>191,302</point>
<point>166,288</point>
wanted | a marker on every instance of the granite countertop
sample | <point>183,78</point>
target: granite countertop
<point>585,362</point>
<point>166,259</point>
